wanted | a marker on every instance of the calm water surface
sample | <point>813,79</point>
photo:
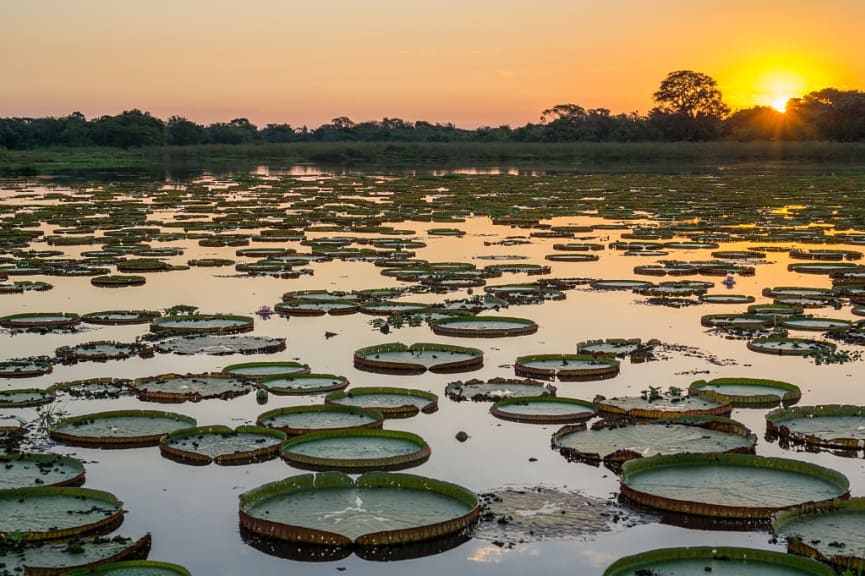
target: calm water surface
<point>192,511</point>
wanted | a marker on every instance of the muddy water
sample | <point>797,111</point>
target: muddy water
<point>192,512</point>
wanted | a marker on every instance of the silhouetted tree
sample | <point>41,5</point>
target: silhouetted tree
<point>130,128</point>
<point>689,106</point>
<point>280,133</point>
<point>830,114</point>
<point>757,123</point>
<point>183,132</point>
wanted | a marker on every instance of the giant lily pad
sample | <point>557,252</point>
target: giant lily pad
<point>614,442</point>
<point>55,512</point>
<point>543,410</point>
<point>661,406</point>
<point>100,351</point>
<point>825,426</point>
<point>259,370</point>
<point>296,420</point>
<point>789,346</point>
<point>378,508</point>
<point>24,368</point>
<point>221,444</point>
<point>23,470</point>
<point>303,384</point>
<point>812,323</point>
<point>483,326</point>
<point>37,321</point>
<point>735,486</point>
<point>715,560</point>
<point>23,397</point>
<point>50,558</point>
<point>497,389</point>
<point>220,345</point>
<point>391,402</point>
<point>417,358</point>
<point>828,531</point>
<point>192,387</point>
<point>116,317</point>
<point>746,392</point>
<point>567,367</point>
<point>356,450</point>
<point>133,568</point>
<point>308,307</point>
<point>203,324</point>
<point>119,428</point>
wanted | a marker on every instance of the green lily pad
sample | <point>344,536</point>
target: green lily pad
<point>55,512</point>
<point>296,420</point>
<point>356,450</point>
<point>23,470</point>
<point>221,444</point>
<point>119,428</point>
<point>391,402</point>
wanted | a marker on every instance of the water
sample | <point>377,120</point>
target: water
<point>192,512</point>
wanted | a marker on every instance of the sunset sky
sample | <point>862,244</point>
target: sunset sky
<point>470,62</point>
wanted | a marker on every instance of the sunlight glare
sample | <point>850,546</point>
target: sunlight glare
<point>779,103</point>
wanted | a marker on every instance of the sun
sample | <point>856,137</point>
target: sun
<point>779,103</point>
<point>775,87</point>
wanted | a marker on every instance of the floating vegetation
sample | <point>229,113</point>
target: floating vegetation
<point>21,286</point>
<point>825,426</point>
<point>790,346</point>
<point>203,324</point>
<point>25,368</point>
<point>22,470</point>
<point>740,321</point>
<point>356,450</point>
<point>513,515</point>
<point>40,321</point>
<point>726,299</point>
<point>259,370</point>
<point>657,403</point>
<point>483,327</point>
<point>619,284</point>
<point>543,410</point>
<point>566,367</point>
<point>415,359</point>
<point>309,307</point>
<point>52,512</point>
<point>723,560</point>
<point>323,509</point>
<point>775,310</point>
<point>94,388</point>
<point>831,532</point>
<point>222,445</point>
<point>118,281</point>
<point>614,442</point>
<point>389,401</point>
<point>747,392</point>
<point>102,350</point>
<point>24,397</point>
<point>618,347</point>
<point>827,269</point>
<point>295,420</point>
<point>220,345</point>
<point>496,389</point>
<point>120,317</point>
<point>191,387</point>
<point>814,324</point>
<point>60,556</point>
<point>302,384</point>
<point>735,486</point>
<point>126,567</point>
<point>118,428</point>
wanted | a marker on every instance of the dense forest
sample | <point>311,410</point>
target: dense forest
<point>688,107</point>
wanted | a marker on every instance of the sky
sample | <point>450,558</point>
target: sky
<point>468,62</point>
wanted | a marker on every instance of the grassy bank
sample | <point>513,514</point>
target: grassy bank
<point>581,156</point>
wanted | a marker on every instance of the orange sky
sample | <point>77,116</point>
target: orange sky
<point>470,62</point>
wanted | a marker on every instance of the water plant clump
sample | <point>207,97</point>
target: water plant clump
<point>191,387</point>
<point>496,389</point>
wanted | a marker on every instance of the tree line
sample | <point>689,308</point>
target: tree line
<point>688,107</point>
